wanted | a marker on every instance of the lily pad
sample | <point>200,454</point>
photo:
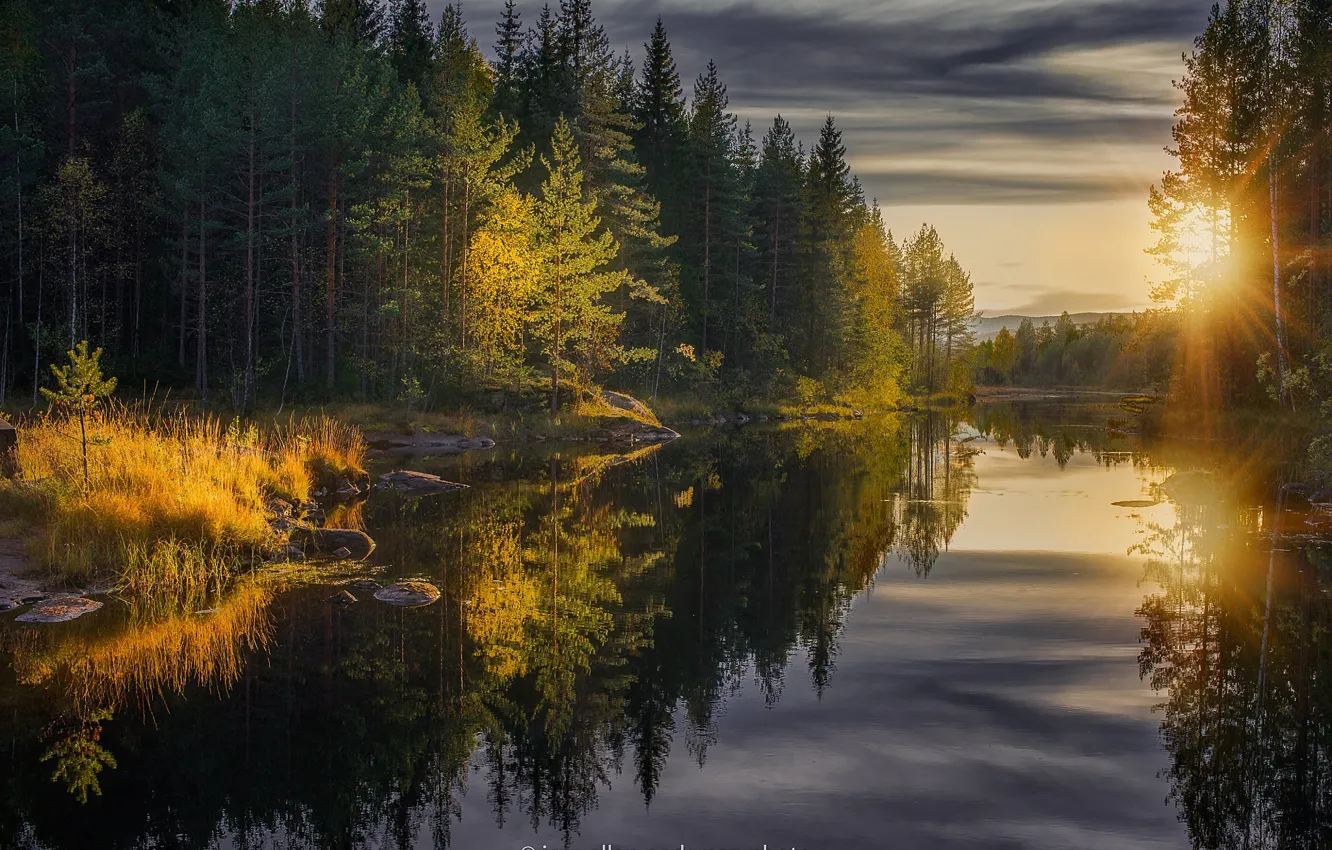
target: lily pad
<point>408,594</point>
<point>60,610</point>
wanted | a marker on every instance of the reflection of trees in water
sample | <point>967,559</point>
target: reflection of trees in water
<point>1235,640</point>
<point>1058,431</point>
<point>932,505</point>
<point>591,618</point>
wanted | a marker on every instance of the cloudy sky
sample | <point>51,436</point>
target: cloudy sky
<point>1026,131</point>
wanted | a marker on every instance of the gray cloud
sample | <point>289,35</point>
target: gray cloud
<point>909,79</point>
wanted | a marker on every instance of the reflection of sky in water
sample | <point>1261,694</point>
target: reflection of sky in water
<point>994,704</point>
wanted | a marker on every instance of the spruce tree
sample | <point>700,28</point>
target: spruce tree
<point>411,41</point>
<point>509,79</point>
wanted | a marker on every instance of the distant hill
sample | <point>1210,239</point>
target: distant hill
<point>989,326</point>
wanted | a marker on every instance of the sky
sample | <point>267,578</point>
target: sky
<point>1026,131</point>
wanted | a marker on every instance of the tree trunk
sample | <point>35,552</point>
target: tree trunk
<point>707,255</point>
<point>184,282</point>
<point>71,97</point>
<point>462,290</point>
<point>1276,281</point>
<point>201,355</point>
<point>331,257</point>
<point>776,253</point>
<point>249,267</point>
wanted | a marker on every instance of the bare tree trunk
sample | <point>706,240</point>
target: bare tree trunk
<point>462,290</point>
<point>555,349</point>
<point>201,368</point>
<point>184,282</point>
<point>331,257</point>
<point>71,97</point>
<point>707,255</point>
<point>249,267</point>
<point>444,268</point>
<point>776,253</point>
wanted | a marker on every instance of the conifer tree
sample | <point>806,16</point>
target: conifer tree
<point>573,322</point>
<point>411,40</point>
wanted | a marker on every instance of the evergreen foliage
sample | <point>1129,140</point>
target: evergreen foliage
<point>268,202</point>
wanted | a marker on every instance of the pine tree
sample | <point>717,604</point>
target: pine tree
<point>712,129</point>
<point>573,323</point>
<point>778,211</point>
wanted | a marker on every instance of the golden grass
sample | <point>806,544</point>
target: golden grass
<point>148,656</point>
<point>166,494</point>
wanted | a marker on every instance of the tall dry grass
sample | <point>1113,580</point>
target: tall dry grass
<point>168,494</point>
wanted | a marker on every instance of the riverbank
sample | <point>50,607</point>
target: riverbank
<point>165,501</point>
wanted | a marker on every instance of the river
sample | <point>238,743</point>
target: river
<point>926,631</point>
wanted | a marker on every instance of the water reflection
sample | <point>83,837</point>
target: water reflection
<point>599,615</point>
<point>1235,642</point>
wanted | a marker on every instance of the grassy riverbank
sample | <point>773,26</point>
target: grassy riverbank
<point>169,499</point>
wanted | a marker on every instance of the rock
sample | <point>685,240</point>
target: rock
<point>342,554</point>
<point>366,584</point>
<point>622,401</point>
<point>1194,487</point>
<point>342,597</point>
<point>30,600</point>
<point>410,483</point>
<point>59,610</point>
<point>632,431</point>
<point>408,594</point>
<point>328,541</point>
<point>1321,497</point>
<point>741,419</point>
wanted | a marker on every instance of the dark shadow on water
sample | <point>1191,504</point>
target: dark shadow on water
<point>598,615</point>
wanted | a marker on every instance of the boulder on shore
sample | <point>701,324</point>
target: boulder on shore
<point>632,431</point>
<point>410,483</point>
<point>629,404</point>
<point>408,594</point>
<point>327,541</point>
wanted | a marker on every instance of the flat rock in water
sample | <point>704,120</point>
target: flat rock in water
<point>366,584</point>
<point>408,594</point>
<point>328,541</point>
<point>342,553</point>
<point>1135,503</point>
<point>342,597</point>
<point>410,483</point>
<point>60,610</point>
<point>1195,487</point>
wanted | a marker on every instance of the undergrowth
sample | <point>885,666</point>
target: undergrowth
<point>170,498</point>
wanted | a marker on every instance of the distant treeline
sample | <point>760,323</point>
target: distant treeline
<point>272,200</point>
<point>1120,351</point>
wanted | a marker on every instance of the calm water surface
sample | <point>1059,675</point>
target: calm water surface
<point>916,633</point>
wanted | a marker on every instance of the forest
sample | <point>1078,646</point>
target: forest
<point>1243,219</point>
<point>252,203</point>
